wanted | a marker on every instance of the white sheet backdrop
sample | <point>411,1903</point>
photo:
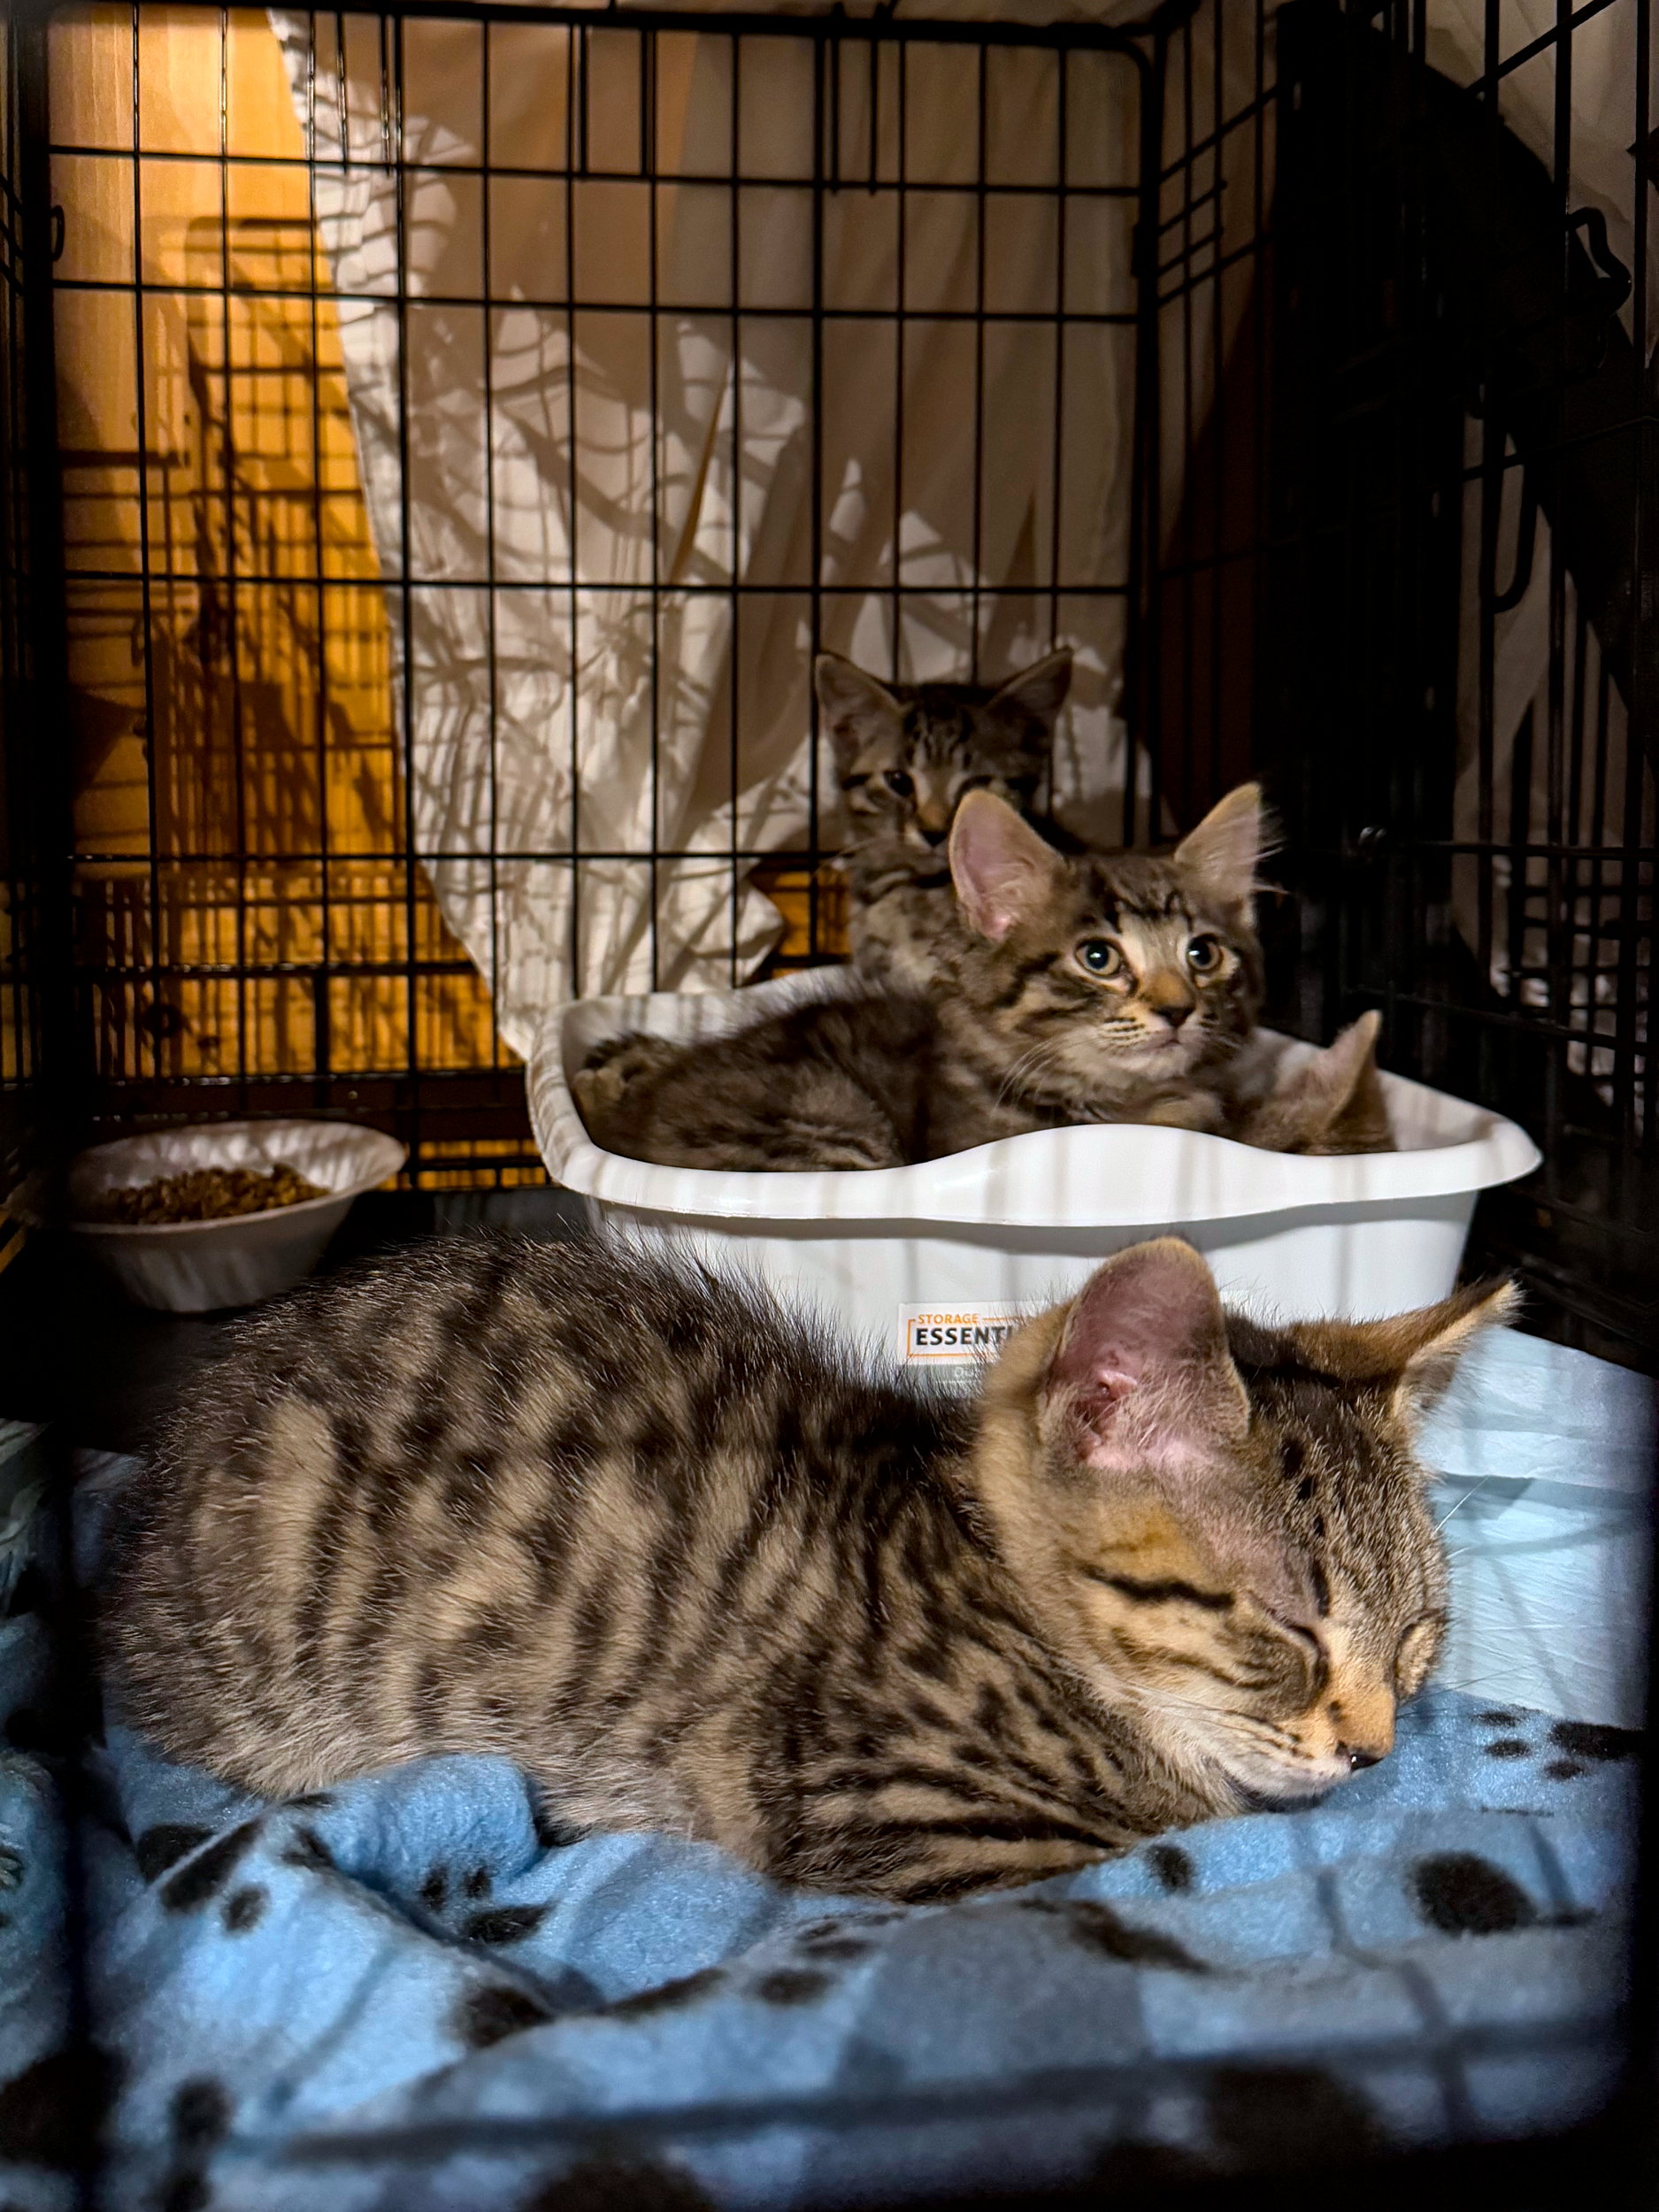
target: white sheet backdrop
<point>525,446</point>
<point>693,464</point>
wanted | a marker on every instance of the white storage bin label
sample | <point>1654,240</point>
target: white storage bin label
<point>959,1333</point>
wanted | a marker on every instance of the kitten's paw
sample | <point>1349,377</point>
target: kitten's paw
<point>600,1085</point>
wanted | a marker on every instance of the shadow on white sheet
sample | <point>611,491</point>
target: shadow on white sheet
<point>1544,1463</point>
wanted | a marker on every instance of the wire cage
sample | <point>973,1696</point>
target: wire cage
<point>1359,541</point>
<point>1468,490</point>
<point>264,596</point>
<point>23,919</point>
<point>1290,364</point>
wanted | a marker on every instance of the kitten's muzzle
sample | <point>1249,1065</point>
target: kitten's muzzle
<point>1273,1785</point>
<point>1158,1041</point>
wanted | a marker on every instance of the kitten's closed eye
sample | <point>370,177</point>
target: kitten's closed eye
<point>1305,1640</point>
<point>1299,1665</point>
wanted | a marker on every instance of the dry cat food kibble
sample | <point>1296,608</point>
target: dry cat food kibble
<point>206,1193</point>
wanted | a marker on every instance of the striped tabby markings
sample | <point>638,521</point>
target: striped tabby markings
<point>694,1567</point>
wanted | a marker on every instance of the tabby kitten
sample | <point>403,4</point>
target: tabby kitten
<point>837,1084</point>
<point>678,1554</point>
<point>905,755</point>
<point>1097,987</point>
<point>1332,1103</point>
<point>1073,989</point>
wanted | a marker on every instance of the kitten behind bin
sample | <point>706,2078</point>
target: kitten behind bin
<point>906,756</point>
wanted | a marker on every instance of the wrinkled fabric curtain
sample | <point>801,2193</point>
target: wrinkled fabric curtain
<point>599,528</point>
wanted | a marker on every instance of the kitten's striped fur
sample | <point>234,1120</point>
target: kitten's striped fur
<point>693,1567</point>
<point>906,755</point>
<point>1017,1032</point>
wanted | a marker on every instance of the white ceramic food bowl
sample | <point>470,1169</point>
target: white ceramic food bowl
<point>195,1266</point>
<point>935,1261</point>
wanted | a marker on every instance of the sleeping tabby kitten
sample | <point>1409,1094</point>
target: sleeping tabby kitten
<point>693,1567</point>
<point>905,755</point>
<point>1071,989</point>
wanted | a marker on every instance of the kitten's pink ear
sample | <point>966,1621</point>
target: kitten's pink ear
<point>1144,1363</point>
<point>1038,692</point>
<point>1003,871</point>
<point>1225,850</point>
<point>857,710</point>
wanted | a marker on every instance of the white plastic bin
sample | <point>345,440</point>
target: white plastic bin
<point>936,1262</point>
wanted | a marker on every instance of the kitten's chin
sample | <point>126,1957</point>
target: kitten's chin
<point>1252,1798</point>
<point>1173,1050</point>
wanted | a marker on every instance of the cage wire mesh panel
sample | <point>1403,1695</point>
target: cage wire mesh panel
<point>472,427</point>
<point>24,775</point>
<point>1406,313</point>
<point>247,917</point>
<point>474,424</point>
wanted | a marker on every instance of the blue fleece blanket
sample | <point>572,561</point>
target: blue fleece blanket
<point>400,1994</point>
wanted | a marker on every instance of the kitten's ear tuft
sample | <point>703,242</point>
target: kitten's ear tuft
<point>1003,871</point>
<point>1143,1366</point>
<point>1446,1332</point>
<point>857,710</point>
<point>1038,693</point>
<point>1349,1054</point>
<point>1225,850</point>
<point>1418,1351</point>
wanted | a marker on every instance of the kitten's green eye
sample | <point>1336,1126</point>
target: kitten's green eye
<point>1100,955</point>
<point>1203,955</point>
<point>899,783</point>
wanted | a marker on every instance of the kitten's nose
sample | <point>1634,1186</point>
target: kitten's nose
<point>933,837</point>
<point>1174,1015</point>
